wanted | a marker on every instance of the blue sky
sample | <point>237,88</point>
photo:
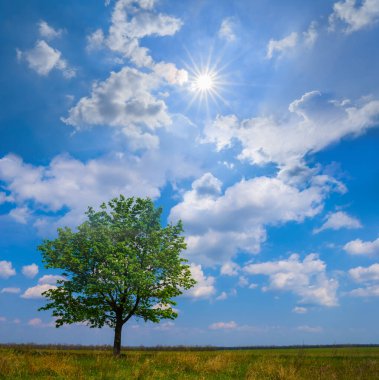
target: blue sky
<point>255,123</point>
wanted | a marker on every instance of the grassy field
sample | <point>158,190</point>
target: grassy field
<point>353,363</point>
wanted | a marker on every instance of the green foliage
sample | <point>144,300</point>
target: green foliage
<point>119,263</point>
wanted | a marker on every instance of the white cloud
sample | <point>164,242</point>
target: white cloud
<point>219,225</point>
<point>2,319</point>
<point>338,220</point>
<point>223,326</point>
<point>123,101</point>
<point>300,310</point>
<point>243,281</point>
<point>170,73</point>
<point>30,270</point>
<point>279,47</point>
<point>368,291</point>
<point>11,290</point>
<point>50,279</point>
<point>359,247</point>
<point>130,99</point>
<point>165,326</point>
<point>369,277</point>
<point>45,283</point>
<point>310,36</point>
<point>132,21</point>
<point>230,269</point>
<point>315,121</point>
<point>227,29</point>
<point>205,284</point>
<point>47,31</point>
<point>307,279</point>
<point>310,329</point>
<point>43,58</point>
<point>72,184</point>
<point>37,322</point>
<point>95,40</point>
<point>3,197</point>
<point>6,269</point>
<point>36,291</point>
<point>355,14</point>
<point>222,297</point>
<point>361,274</point>
<point>20,214</point>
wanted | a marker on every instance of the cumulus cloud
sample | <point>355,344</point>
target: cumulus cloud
<point>67,183</point>
<point>227,29</point>
<point>11,290</point>
<point>338,220</point>
<point>243,281</point>
<point>361,274</point>
<point>220,225</point>
<point>43,58</point>
<point>359,247</point>
<point>223,326</point>
<point>307,279</point>
<point>368,291</point>
<point>279,47</point>
<point>121,101</point>
<point>20,214</point>
<point>205,284</point>
<point>6,269</point>
<point>132,21</point>
<point>130,99</point>
<point>47,31</point>
<point>50,279</point>
<point>45,283</point>
<point>170,73</point>
<point>230,269</point>
<point>95,40</point>
<point>36,291</point>
<point>314,122</point>
<point>369,277</point>
<point>356,15</point>
<point>30,270</point>
<point>222,297</point>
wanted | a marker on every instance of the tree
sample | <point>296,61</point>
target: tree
<point>119,263</point>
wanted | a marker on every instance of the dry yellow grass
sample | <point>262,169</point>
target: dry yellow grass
<point>280,364</point>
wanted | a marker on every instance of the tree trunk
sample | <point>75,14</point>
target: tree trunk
<point>117,339</point>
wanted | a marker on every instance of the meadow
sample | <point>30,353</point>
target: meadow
<point>345,363</point>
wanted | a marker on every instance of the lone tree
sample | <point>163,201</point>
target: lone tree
<point>120,263</point>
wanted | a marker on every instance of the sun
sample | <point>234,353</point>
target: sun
<point>204,82</point>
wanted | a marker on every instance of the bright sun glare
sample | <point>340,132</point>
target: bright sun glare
<point>204,82</point>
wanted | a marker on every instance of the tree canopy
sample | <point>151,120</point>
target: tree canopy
<point>121,262</point>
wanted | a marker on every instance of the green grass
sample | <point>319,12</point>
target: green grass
<point>353,363</point>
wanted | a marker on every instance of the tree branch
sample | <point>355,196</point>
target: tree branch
<point>132,311</point>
